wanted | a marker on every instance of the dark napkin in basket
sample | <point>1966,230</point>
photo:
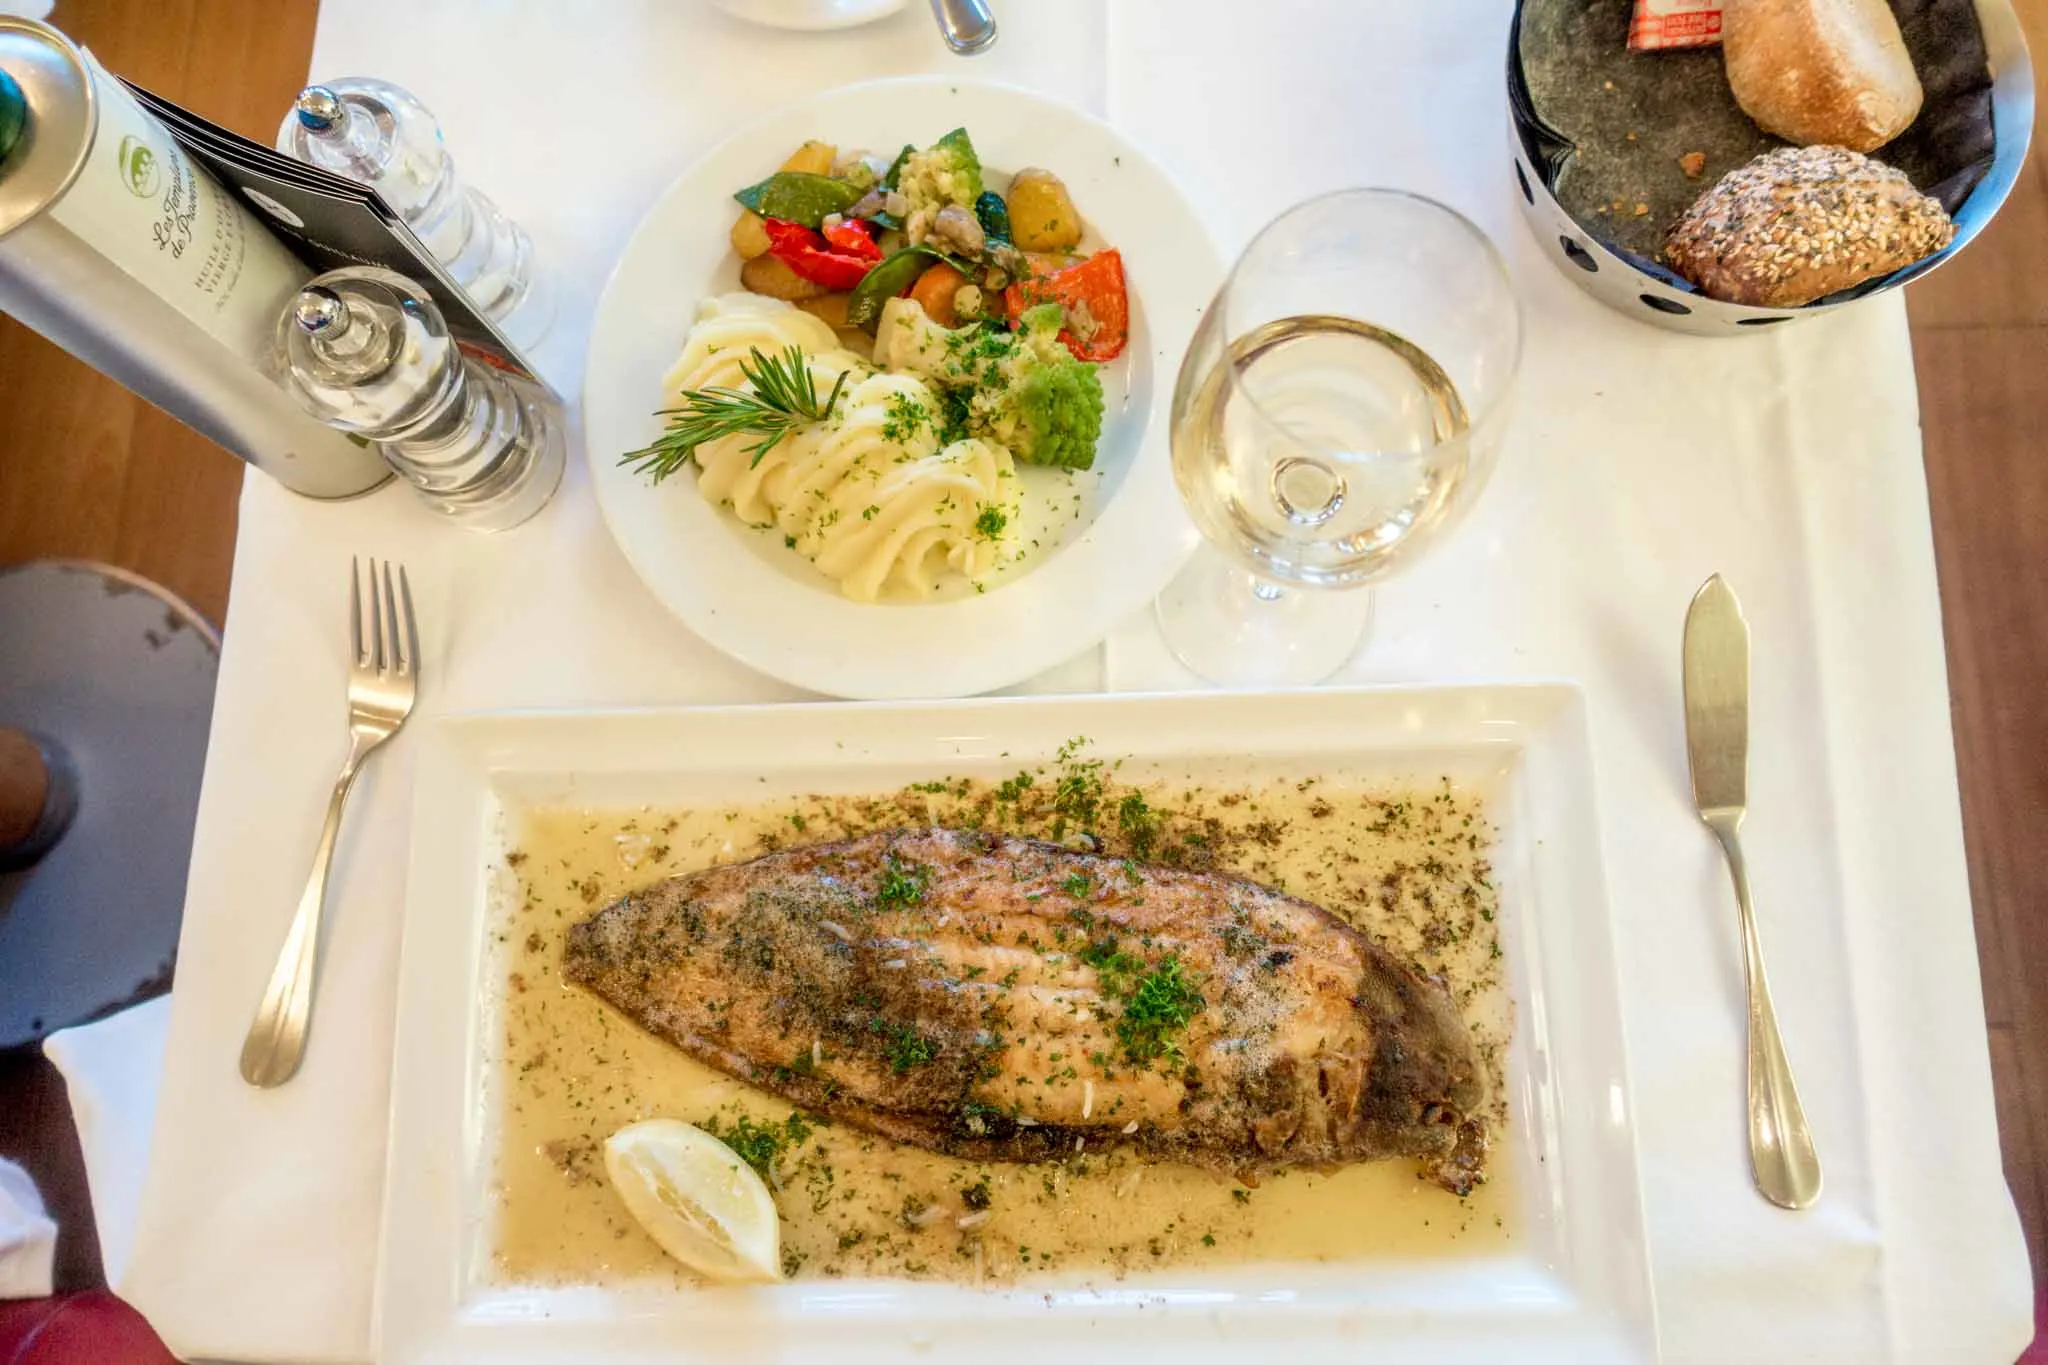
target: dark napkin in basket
<point>1632,115</point>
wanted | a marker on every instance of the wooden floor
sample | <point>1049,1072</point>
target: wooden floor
<point>86,470</point>
<point>1980,341</point>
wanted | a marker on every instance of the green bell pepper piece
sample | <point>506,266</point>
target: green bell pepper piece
<point>799,197</point>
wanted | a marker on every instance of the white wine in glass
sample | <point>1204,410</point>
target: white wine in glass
<point>1355,409</point>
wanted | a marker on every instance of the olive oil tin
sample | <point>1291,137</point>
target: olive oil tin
<point>118,247</point>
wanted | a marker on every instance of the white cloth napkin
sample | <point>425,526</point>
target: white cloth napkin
<point>28,1239</point>
<point>112,1070</point>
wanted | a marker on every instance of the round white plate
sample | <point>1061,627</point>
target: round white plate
<point>809,15</point>
<point>767,606</point>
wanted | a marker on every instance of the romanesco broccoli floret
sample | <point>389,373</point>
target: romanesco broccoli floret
<point>1036,399</point>
<point>947,172</point>
<point>1023,390</point>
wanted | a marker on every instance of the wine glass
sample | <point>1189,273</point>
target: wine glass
<point>1341,403</point>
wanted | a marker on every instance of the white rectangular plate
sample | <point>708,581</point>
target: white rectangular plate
<point>1575,1287</point>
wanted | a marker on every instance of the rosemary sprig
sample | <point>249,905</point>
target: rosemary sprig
<point>784,398</point>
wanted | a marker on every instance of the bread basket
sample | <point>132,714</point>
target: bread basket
<point>1647,291</point>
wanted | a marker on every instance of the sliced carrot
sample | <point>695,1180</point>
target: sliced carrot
<point>934,293</point>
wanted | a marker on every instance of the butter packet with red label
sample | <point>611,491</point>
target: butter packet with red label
<point>1659,25</point>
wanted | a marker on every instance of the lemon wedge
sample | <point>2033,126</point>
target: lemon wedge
<point>697,1199</point>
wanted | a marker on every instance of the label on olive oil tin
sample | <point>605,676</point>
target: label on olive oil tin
<point>142,203</point>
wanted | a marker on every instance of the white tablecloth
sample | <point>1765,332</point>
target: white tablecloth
<point>1640,462</point>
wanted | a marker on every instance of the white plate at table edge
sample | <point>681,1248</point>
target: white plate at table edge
<point>1577,1289</point>
<point>761,603</point>
<point>809,16</point>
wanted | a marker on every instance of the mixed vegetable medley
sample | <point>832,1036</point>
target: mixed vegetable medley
<point>840,233</point>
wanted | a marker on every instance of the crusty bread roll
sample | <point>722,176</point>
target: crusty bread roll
<point>1799,223</point>
<point>1821,71</point>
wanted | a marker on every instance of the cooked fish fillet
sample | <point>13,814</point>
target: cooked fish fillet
<point>998,998</point>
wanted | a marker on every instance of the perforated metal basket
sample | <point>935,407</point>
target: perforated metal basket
<point>1652,294</point>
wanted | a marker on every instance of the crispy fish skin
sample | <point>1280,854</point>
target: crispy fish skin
<point>935,986</point>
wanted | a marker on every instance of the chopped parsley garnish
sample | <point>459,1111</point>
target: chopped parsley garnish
<point>902,416</point>
<point>1013,788</point>
<point>1158,1011</point>
<point>908,1048</point>
<point>1078,794</point>
<point>1113,965</point>
<point>902,883</point>
<point>991,522</point>
<point>1158,1003</point>
<point>760,1145</point>
<point>952,414</point>
<point>1079,885</point>
<point>976,1196</point>
<point>1139,823</point>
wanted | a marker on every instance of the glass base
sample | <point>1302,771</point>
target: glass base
<point>1239,630</point>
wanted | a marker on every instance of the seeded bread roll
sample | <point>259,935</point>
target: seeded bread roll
<point>1800,223</point>
<point>1832,72</point>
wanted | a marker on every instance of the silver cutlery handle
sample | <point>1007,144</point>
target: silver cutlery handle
<point>277,1039</point>
<point>1781,1155</point>
<point>966,25</point>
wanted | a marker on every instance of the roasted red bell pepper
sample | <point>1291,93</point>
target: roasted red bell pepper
<point>852,237</point>
<point>835,261</point>
<point>1092,292</point>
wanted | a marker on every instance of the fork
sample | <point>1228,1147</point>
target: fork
<point>384,675</point>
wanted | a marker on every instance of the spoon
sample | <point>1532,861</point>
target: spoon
<point>966,25</point>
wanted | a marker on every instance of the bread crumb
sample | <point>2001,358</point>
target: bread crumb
<point>1693,164</point>
<point>1642,209</point>
<point>1607,85</point>
<point>1631,137</point>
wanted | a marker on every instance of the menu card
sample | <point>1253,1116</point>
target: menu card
<point>329,221</point>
